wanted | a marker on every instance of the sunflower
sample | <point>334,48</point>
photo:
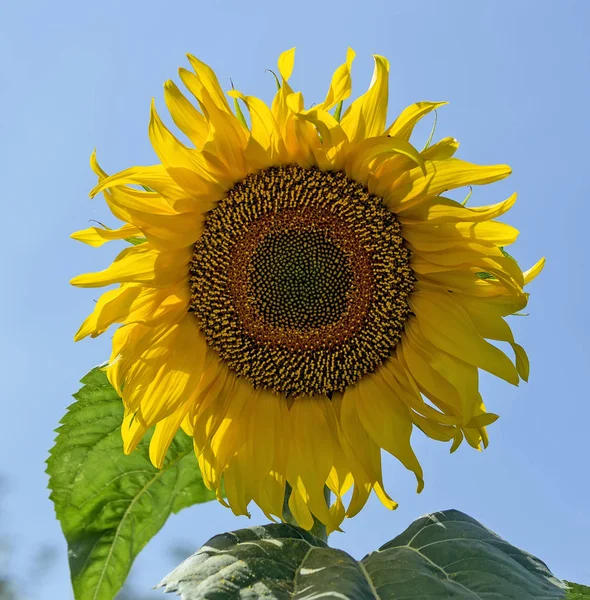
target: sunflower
<point>300,295</point>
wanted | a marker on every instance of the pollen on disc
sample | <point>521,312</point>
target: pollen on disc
<point>300,280</point>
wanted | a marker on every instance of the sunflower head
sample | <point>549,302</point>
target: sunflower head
<point>303,295</point>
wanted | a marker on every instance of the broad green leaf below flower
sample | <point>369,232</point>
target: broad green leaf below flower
<point>109,504</point>
<point>442,555</point>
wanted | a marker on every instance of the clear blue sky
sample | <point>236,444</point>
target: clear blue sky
<point>76,75</point>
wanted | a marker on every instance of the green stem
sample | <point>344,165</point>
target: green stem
<point>318,529</point>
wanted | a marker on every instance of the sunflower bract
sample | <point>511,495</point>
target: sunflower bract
<point>305,295</point>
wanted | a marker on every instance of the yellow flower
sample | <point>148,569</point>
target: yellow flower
<point>304,295</point>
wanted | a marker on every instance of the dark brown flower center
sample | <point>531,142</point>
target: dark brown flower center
<point>300,280</point>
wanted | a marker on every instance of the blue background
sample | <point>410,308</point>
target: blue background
<point>76,75</point>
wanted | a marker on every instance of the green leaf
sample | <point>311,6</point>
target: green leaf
<point>443,555</point>
<point>135,241</point>
<point>469,194</point>
<point>338,111</point>
<point>277,82</point>
<point>109,504</point>
<point>451,555</point>
<point>429,140</point>
<point>507,255</point>
<point>576,591</point>
<point>485,275</point>
<point>238,109</point>
<point>258,562</point>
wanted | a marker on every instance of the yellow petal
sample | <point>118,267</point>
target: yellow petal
<point>476,435</point>
<point>534,271</point>
<point>462,279</point>
<point>286,63</point>
<point>168,372</point>
<point>214,393</point>
<point>208,79</point>
<point>271,494</point>
<point>522,362</point>
<point>482,420</point>
<point>97,236</point>
<point>400,379</point>
<point>265,130</point>
<point>155,177</point>
<point>126,357</point>
<point>228,433</point>
<point>363,455</point>
<point>267,423</point>
<point>448,326</point>
<point>347,453</point>
<point>285,101</point>
<point>427,236</point>
<point>414,187</point>
<point>387,420</point>
<point>154,215</point>
<point>442,150</point>
<point>301,142</point>
<point>488,258</point>
<point>340,479</point>
<point>164,433</point>
<point>486,316</point>
<point>188,167</point>
<point>403,126</point>
<point>337,512</point>
<point>135,304</point>
<point>300,510</point>
<point>311,453</point>
<point>365,117</point>
<point>359,159</point>
<point>448,382</point>
<point>330,154</point>
<point>131,431</point>
<point>227,141</point>
<point>226,136</point>
<point>123,338</point>
<point>105,304</point>
<point>238,484</point>
<point>186,117</point>
<point>341,84</point>
<point>141,264</point>
<point>444,210</point>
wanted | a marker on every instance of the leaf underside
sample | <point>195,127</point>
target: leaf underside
<point>109,504</point>
<point>443,555</point>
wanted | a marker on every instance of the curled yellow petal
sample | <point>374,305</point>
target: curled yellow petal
<point>187,118</point>
<point>387,420</point>
<point>359,159</point>
<point>131,303</point>
<point>341,84</point>
<point>449,328</point>
<point>414,186</point>
<point>97,236</point>
<point>366,116</point>
<point>208,80</point>
<point>442,150</point>
<point>403,126</point>
<point>534,271</point>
